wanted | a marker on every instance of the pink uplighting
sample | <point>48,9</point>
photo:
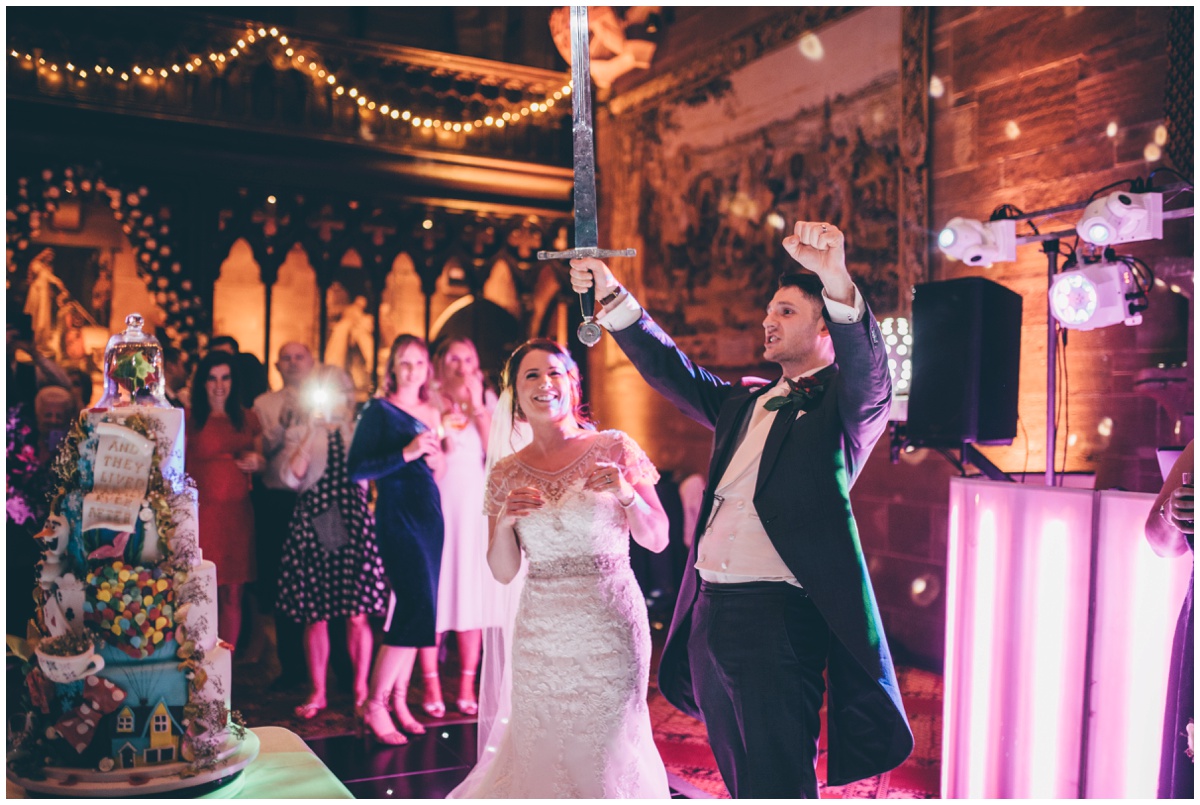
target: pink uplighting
<point>1135,620</point>
<point>1026,565</point>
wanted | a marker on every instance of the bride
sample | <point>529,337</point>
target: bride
<point>579,663</point>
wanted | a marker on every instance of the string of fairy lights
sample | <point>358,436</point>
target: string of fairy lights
<point>314,66</point>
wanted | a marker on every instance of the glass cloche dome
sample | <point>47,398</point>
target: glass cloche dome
<point>133,368</point>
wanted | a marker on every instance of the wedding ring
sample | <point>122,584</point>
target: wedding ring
<point>824,228</point>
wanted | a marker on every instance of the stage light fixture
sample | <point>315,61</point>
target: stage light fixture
<point>1095,296</point>
<point>977,243</point>
<point>1122,218</point>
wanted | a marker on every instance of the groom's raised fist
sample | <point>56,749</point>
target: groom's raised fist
<point>817,246</point>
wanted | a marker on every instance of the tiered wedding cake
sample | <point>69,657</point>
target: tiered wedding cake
<point>126,685</point>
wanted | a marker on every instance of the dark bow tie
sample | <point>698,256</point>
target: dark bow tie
<point>800,391</point>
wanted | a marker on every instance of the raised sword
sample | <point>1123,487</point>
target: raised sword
<point>586,228</point>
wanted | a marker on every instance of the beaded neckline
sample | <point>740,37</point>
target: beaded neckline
<point>565,469</point>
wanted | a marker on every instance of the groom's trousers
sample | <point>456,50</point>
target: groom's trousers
<point>758,653</point>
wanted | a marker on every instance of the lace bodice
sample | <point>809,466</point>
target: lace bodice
<point>580,658</point>
<point>575,523</point>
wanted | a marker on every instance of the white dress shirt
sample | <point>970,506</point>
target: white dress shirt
<point>279,412</point>
<point>734,547</point>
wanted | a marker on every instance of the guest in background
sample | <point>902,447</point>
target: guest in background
<point>224,448</point>
<point>81,385</point>
<point>330,566</point>
<point>253,373</point>
<point>175,377</point>
<point>1171,529</point>
<point>55,408</point>
<point>23,378</point>
<point>658,573</point>
<point>25,511</point>
<point>396,445</point>
<point>465,584</point>
<point>283,416</point>
<point>34,434</point>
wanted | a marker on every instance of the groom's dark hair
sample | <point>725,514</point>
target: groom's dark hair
<point>806,282</point>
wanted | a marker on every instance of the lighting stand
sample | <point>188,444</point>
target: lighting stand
<point>972,456</point>
<point>1050,248</point>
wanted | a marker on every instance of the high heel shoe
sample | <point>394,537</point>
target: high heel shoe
<point>309,709</point>
<point>467,705</point>
<point>435,707</point>
<point>400,710</point>
<point>374,723</point>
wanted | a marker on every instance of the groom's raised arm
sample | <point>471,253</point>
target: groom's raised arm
<point>694,390</point>
<point>864,385</point>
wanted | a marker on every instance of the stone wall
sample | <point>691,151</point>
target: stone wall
<point>1021,100</point>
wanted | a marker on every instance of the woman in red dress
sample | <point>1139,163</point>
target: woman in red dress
<point>224,448</point>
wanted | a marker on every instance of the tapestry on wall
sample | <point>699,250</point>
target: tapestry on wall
<point>712,178</point>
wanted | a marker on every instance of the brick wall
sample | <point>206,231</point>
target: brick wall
<point>1027,96</point>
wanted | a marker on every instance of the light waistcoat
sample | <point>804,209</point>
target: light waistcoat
<point>735,548</point>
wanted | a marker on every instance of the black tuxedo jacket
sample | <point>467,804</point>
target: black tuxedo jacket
<point>808,464</point>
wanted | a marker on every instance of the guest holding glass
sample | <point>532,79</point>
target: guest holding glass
<point>224,448</point>
<point>330,565</point>
<point>463,591</point>
<point>397,446</point>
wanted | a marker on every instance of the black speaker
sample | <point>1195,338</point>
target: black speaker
<point>966,363</point>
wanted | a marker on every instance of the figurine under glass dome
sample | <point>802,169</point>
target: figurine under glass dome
<point>133,369</point>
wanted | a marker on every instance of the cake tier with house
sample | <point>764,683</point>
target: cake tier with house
<point>125,676</point>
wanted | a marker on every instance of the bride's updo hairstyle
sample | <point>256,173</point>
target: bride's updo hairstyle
<point>509,379</point>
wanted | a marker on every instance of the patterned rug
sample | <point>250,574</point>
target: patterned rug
<point>683,744</point>
<point>681,740</point>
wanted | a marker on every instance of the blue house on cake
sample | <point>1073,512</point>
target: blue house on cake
<point>146,736</point>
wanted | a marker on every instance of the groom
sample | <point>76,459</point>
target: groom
<point>777,591</point>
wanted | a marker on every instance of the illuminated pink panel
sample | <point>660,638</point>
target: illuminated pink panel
<point>1138,599</point>
<point>1017,605</point>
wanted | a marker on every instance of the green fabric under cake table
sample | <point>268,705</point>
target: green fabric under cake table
<point>284,769</point>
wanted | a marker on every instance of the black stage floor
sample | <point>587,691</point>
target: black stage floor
<point>428,767</point>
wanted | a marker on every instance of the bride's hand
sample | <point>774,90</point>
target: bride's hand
<point>607,477</point>
<point>520,502</point>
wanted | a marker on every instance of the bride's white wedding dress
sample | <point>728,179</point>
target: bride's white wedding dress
<point>579,724</point>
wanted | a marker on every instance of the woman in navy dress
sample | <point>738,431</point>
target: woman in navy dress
<point>396,445</point>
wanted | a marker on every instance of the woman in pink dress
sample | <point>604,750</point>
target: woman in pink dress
<point>465,590</point>
<point>224,448</point>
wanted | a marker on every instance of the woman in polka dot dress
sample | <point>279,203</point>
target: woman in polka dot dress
<point>330,566</point>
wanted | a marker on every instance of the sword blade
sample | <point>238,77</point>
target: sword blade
<point>586,228</point>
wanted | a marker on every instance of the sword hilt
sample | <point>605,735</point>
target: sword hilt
<point>588,299</point>
<point>586,251</point>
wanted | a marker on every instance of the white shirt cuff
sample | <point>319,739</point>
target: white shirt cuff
<point>841,313</point>
<point>622,312</point>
